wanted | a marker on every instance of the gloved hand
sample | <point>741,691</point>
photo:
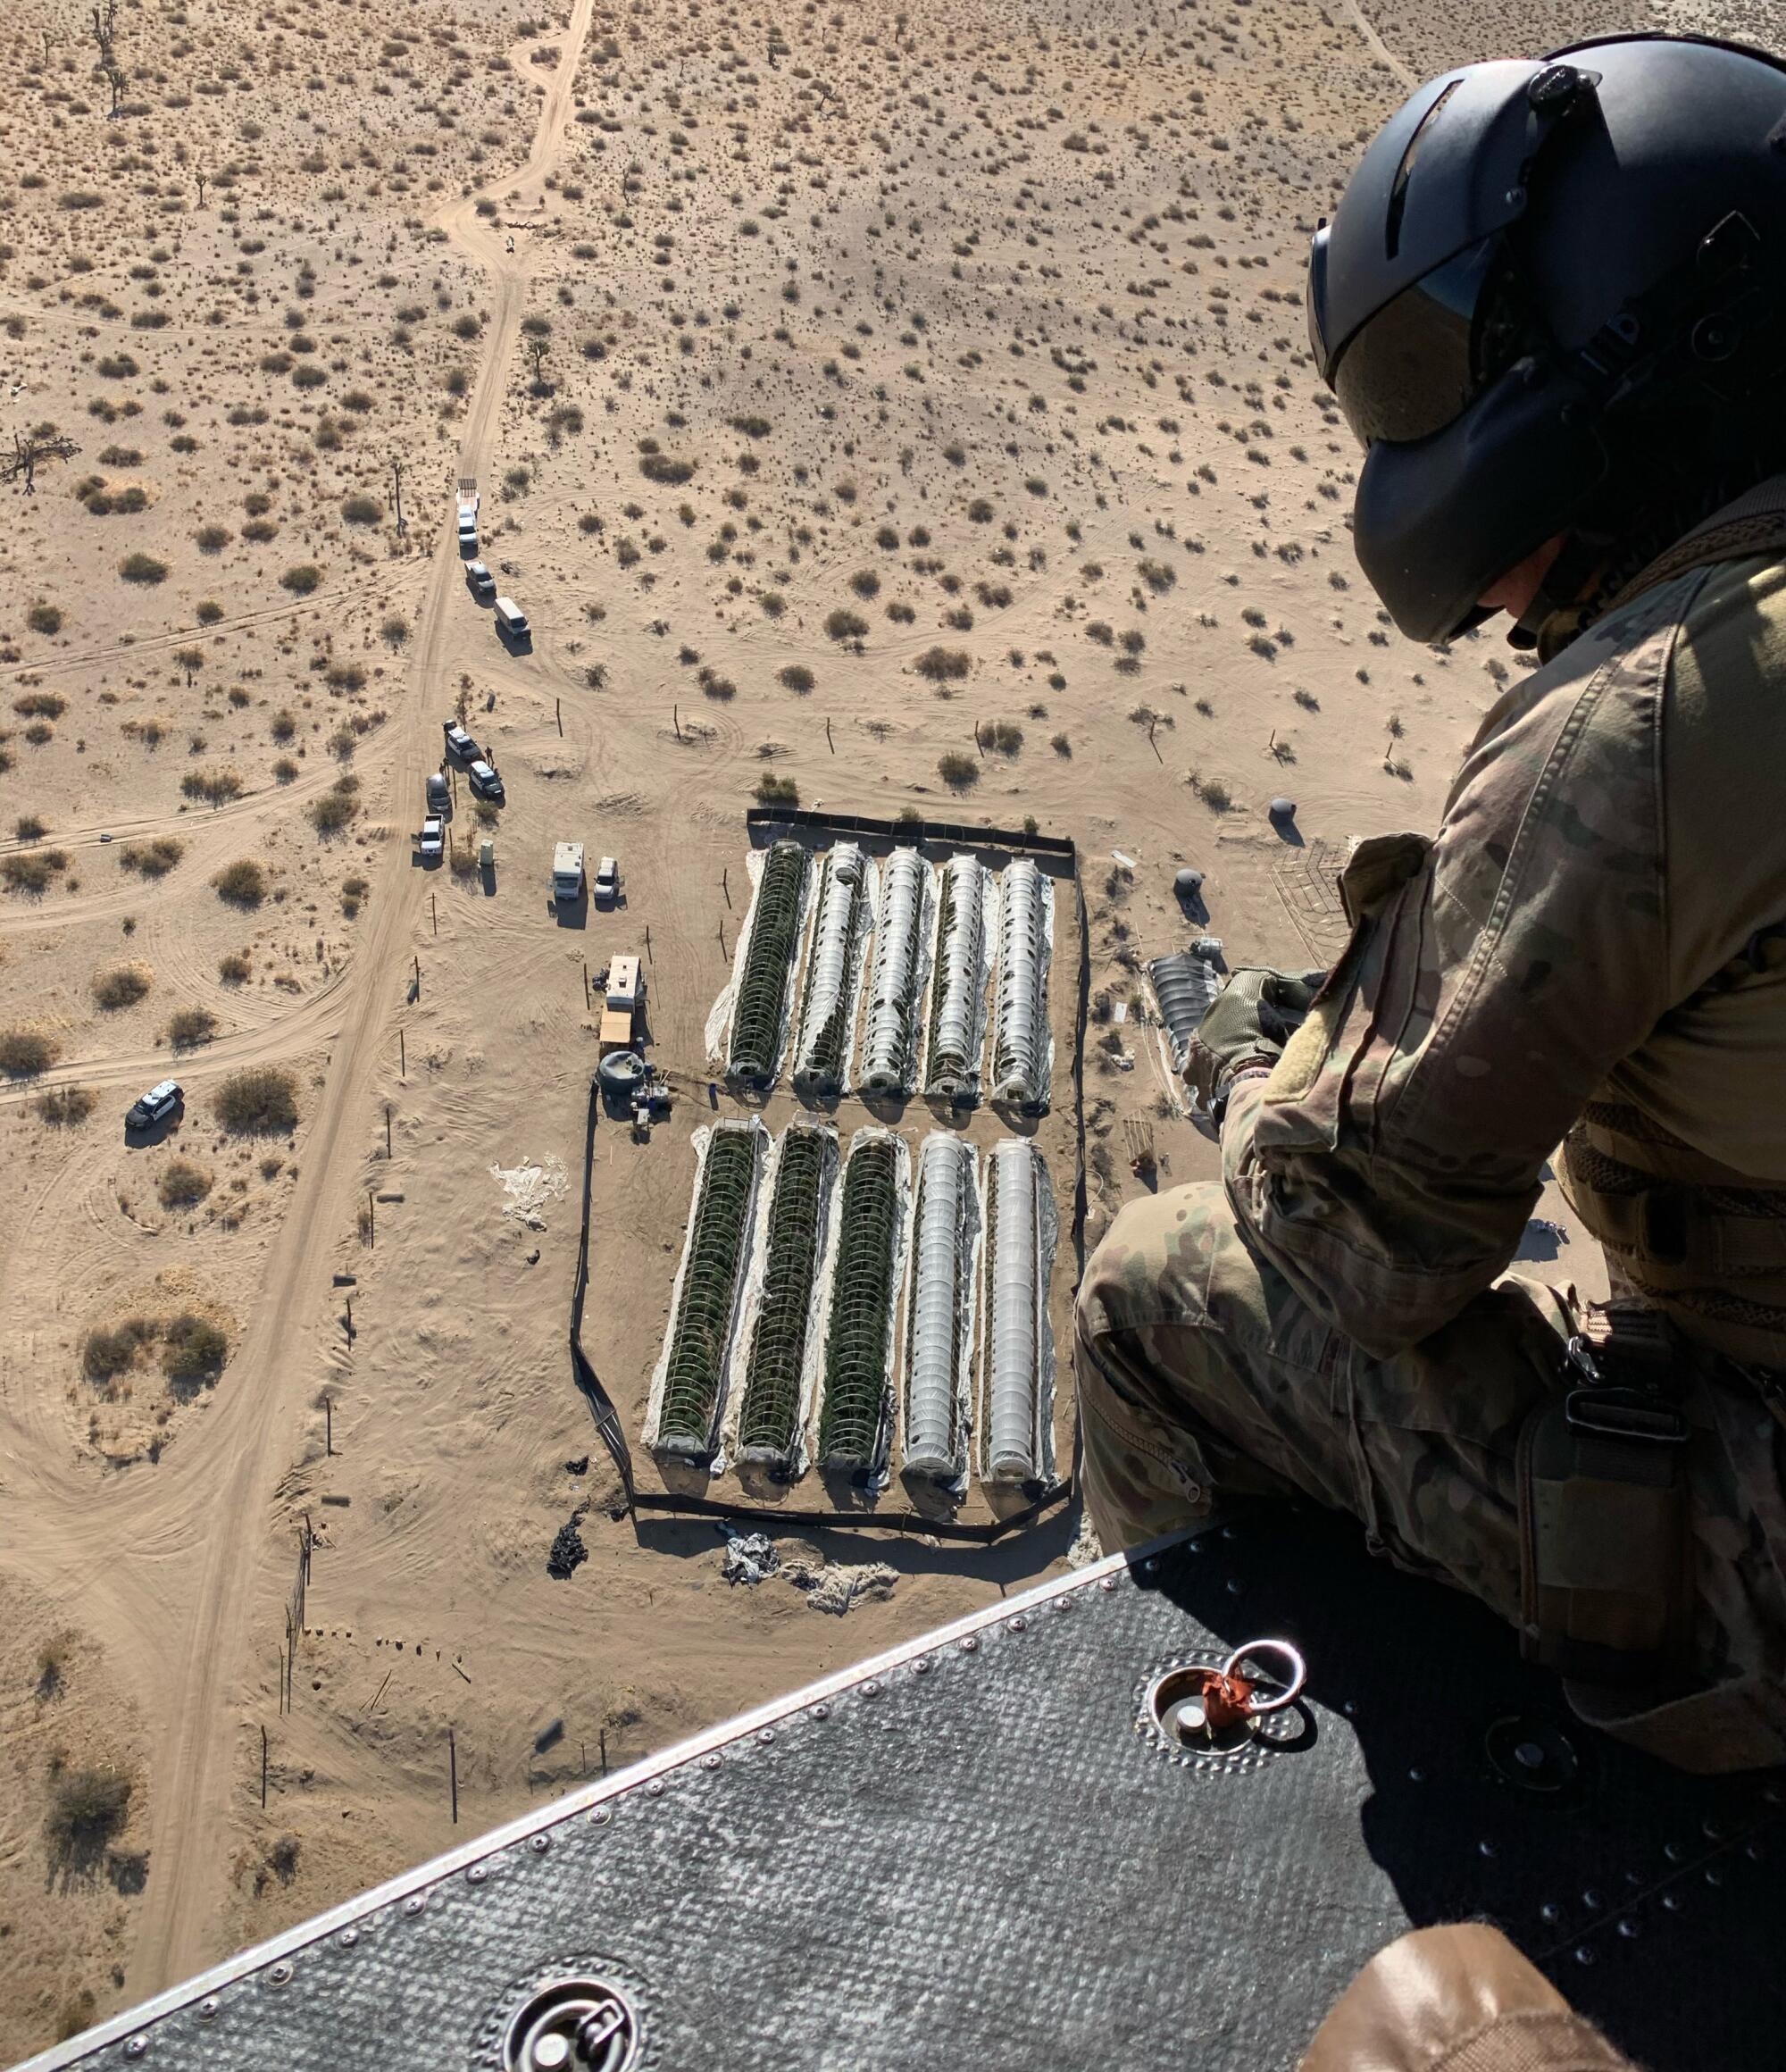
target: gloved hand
<point>1248,1023</point>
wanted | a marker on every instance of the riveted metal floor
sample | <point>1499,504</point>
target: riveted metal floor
<point>977,1849</point>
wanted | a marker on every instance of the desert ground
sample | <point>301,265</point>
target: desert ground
<point>860,403</point>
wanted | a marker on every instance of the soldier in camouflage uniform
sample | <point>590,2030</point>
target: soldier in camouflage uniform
<point>1591,952</point>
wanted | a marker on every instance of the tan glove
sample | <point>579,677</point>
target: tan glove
<point>1248,1023</point>
<point>1454,1997</point>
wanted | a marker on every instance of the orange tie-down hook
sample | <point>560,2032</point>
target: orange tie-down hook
<point>1204,1705</point>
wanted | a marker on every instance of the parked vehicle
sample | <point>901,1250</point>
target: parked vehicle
<point>467,514</point>
<point>439,794</point>
<point>511,623</point>
<point>431,842</point>
<point>166,1098</point>
<point>459,743</point>
<point>607,885</point>
<point>567,872</point>
<point>482,583</point>
<point>485,780</point>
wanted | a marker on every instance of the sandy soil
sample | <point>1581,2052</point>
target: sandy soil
<point>986,333</point>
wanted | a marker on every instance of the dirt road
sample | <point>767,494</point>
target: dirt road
<point>178,1612</point>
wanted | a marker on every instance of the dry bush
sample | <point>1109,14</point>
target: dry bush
<point>958,771</point>
<point>301,579</point>
<point>329,814</point>
<point>194,1349</point>
<point>30,871</point>
<point>774,790</point>
<point>182,1184</point>
<point>233,967</point>
<point>844,624</point>
<point>214,787</point>
<point>796,676</point>
<point>108,1353</point>
<point>943,665</point>
<point>151,859</point>
<point>64,1106</point>
<point>259,1102</point>
<point>87,1811</point>
<point>142,568</point>
<point>28,827</point>
<point>26,1052</point>
<point>999,734</point>
<point>121,985</point>
<point>191,1025</point>
<point>45,618</point>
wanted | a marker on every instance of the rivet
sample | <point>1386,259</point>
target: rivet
<point>1714,1876</point>
<point>207,2007</point>
<point>1672,1851</point>
<point>922,1667</point>
<point>539,1843</point>
<point>1485,1848</point>
<point>1629,1928</point>
<point>1672,1900</point>
<point>1550,1911</point>
<point>654,1789</point>
<point>1592,1900</point>
<point>1515,197</point>
<point>1020,1624</point>
<point>281,1973</point>
<point>477,1874</point>
<point>1713,1830</point>
<point>1063,1604</point>
<point>347,1938</point>
<point>871,1689</point>
<point>1109,1583</point>
<point>1151,1563</point>
<point>710,1762</point>
<point>822,1712</point>
<point>136,2046</point>
<point>969,1645</point>
<point>1416,1776</point>
<point>1233,1586</point>
<point>414,1903</point>
<point>600,1816</point>
<point>1754,1852</point>
<point>1584,1955</point>
<point>1228,1533</point>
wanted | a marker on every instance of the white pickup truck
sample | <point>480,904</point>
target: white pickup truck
<point>430,844</point>
<point>467,514</point>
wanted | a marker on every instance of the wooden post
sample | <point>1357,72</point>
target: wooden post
<point>264,1769</point>
<point>558,713</point>
<point>281,1689</point>
<point>676,720</point>
<point>647,940</point>
<point>328,1426</point>
<point>831,744</point>
<point>417,971</point>
<point>604,1750</point>
<point>453,1760</point>
<point>585,985</point>
<point>373,1217</point>
<point>434,922</point>
<point>402,1055</point>
<point>388,1129</point>
<point>725,886</point>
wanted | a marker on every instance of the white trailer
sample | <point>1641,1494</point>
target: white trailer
<point>567,872</point>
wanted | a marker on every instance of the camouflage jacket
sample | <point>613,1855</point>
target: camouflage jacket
<point>1592,947</point>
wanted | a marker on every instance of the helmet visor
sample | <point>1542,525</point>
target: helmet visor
<point>1419,362</point>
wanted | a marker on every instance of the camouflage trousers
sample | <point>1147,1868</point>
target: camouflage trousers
<point>1203,1375</point>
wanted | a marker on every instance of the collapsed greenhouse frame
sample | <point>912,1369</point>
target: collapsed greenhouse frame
<point>939,1312</point>
<point>958,995</point>
<point>833,969</point>
<point>896,986</point>
<point>1021,1044</point>
<point>1017,1369</point>
<point>698,1348</point>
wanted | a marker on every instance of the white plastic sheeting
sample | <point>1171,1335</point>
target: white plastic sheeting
<point>1023,1047</point>
<point>938,1332</point>
<point>897,988</point>
<point>958,1007</point>
<point>833,970</point>
<point>1019,1347</point>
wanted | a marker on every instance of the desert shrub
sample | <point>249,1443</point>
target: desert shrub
<point>151,859</point>
<point>214,787</point>
<point>844,624</point>
<point>88,1809</point>
<point>362,510</point>
<point>980,512</point>
<point>794,676</point>
<point>182,1184</point>
<point>40,705</point>
<point>865,583</point>
<point>666,468</point>
<point>957,770</point>
<point>233,967</point>
<point>1158,576</point>
<point>943,665</point>
<point>1001,735</point>
<point>121,985</point>
<point>142,568</point>
<point>45,618</point>
<point>329,814</point>
<point>212,539</point>
<point>261,1101</point>
<point>107,1354</point>
<point>285,769</point>
<point>30,870</point>
<point>26,1052</point>
<point>1060,744</point>
<point>191,1025</point>
<point>393,627</point>
<point>28,827</point>
<point>774,790</point>
<point>208,613</point>
<point>301,579</point>
<point>193,1349</point>
<point>62,1106</point>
